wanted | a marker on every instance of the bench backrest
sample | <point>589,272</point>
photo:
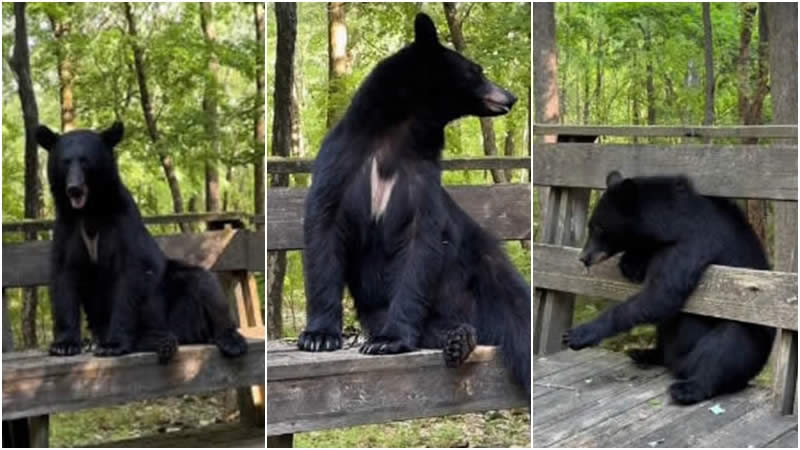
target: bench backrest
<point>566,173</point>
<point>503,209</point>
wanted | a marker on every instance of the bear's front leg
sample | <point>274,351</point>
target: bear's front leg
<point>420,261</point>
<point>66,311</point>
<point>122,327</point>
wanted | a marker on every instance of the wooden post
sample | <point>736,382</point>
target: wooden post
<point>564,223</point>
<point>280,441</point>
<point>29,431</point>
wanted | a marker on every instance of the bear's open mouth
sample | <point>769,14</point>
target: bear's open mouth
<point>77,196</point>
<point>497,107</point>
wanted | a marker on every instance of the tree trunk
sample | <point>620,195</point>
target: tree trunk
<point>487,129</point>
<point>147,109</point>
<point>598,82</point>
<point>258,128</point>
<point>21,66</point>
<point>708,45</point>
<point>61,30</point>
<point>337,61</point>
<point>545,74</point>
<point>210,107</point>
<point>286,31</point>
<point>751,97</point>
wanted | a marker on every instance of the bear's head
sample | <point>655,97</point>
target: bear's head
<point>81,167</point>
<point>614,221</point>
<point>430,82</point>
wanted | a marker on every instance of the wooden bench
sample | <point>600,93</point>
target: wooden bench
<point>316,391</point>
<point>596,398</point>
<point>36,385</point>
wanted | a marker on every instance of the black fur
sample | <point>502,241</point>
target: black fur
<point>422,268</point>
<point>135,299</point>
<point>668,235</point>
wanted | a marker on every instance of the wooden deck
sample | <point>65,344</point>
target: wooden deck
<point>595,398</point>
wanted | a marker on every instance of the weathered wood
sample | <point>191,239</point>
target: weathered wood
<point>787,440</point>
<point>503,209</point>
<point>596,398</point>
<point>564,223</point>
<point>763,297</point>
<point>165,219</point>
<point>314,391</point>
<point>739,171</point>
<point>277,165</point>
<point>757,131</point>
<point>47,384</point>
<point>28,263</point>
<point>784,376</point>
<point>249,315</point>
<point>212,436</point>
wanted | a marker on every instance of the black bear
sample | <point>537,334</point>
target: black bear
<point>105,260</point>
<point>668,235</point>
<point>422,273</point>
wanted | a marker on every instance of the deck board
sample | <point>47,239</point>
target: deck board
<point>596,398</point>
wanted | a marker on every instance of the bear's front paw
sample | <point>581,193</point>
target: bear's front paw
<point>382,345</point>
<point>111,349</point>
<point>65,348</point>
<point>319,341</point>
<point>581,337</point>
<point>688,392</point>
<point>459,344</point>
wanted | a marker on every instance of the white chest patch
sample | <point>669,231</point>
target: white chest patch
<point>91,244</point>
<point>380,191</point>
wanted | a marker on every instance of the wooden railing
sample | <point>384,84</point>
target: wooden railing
<point>567,172</point>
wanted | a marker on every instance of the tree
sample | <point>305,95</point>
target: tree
<point>286,19</point>
<point>62,26</point>
<point>337,61</point>
<point>210,107</point>
<point>21,65</point>
<point>147,109</point>
<point>545,73</point>
<point>454,23</point>
<point>708,47</point>
<point>258,129</point>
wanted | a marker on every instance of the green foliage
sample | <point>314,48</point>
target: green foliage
<point>105,88</point>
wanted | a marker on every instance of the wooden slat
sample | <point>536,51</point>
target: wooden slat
<point>165,219</point>
<point>295,165</point>
<point>596,398</point>
<point>28,263</point>
<point>763,297</point>
<point>49,384</point>
<point>755,131</point>
<point>503,209</point>
<point>315,391</point>
<point>744,171</point>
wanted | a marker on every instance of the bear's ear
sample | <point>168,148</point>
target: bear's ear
<point>113,134</point>
<point>613,178</point>
<point>424,30</point>
<point>46,137</point>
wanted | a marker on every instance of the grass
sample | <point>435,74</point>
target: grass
<point>95,426</point>
<point>499,429</point>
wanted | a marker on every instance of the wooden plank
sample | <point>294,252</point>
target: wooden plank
<point>164,219</point>
<point>565,217</point>
<point>763,297</point>
<point>739,171</point>
<point>505,210</point>
<point>28,263</point>
<point>48,384</point>
<point>276,165</point>
<point>754,429</point>
<point>788,440</point>
<point>750,131</point>
<point>314,391</point>
<point>784,375</point>
<point>226,435</point>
